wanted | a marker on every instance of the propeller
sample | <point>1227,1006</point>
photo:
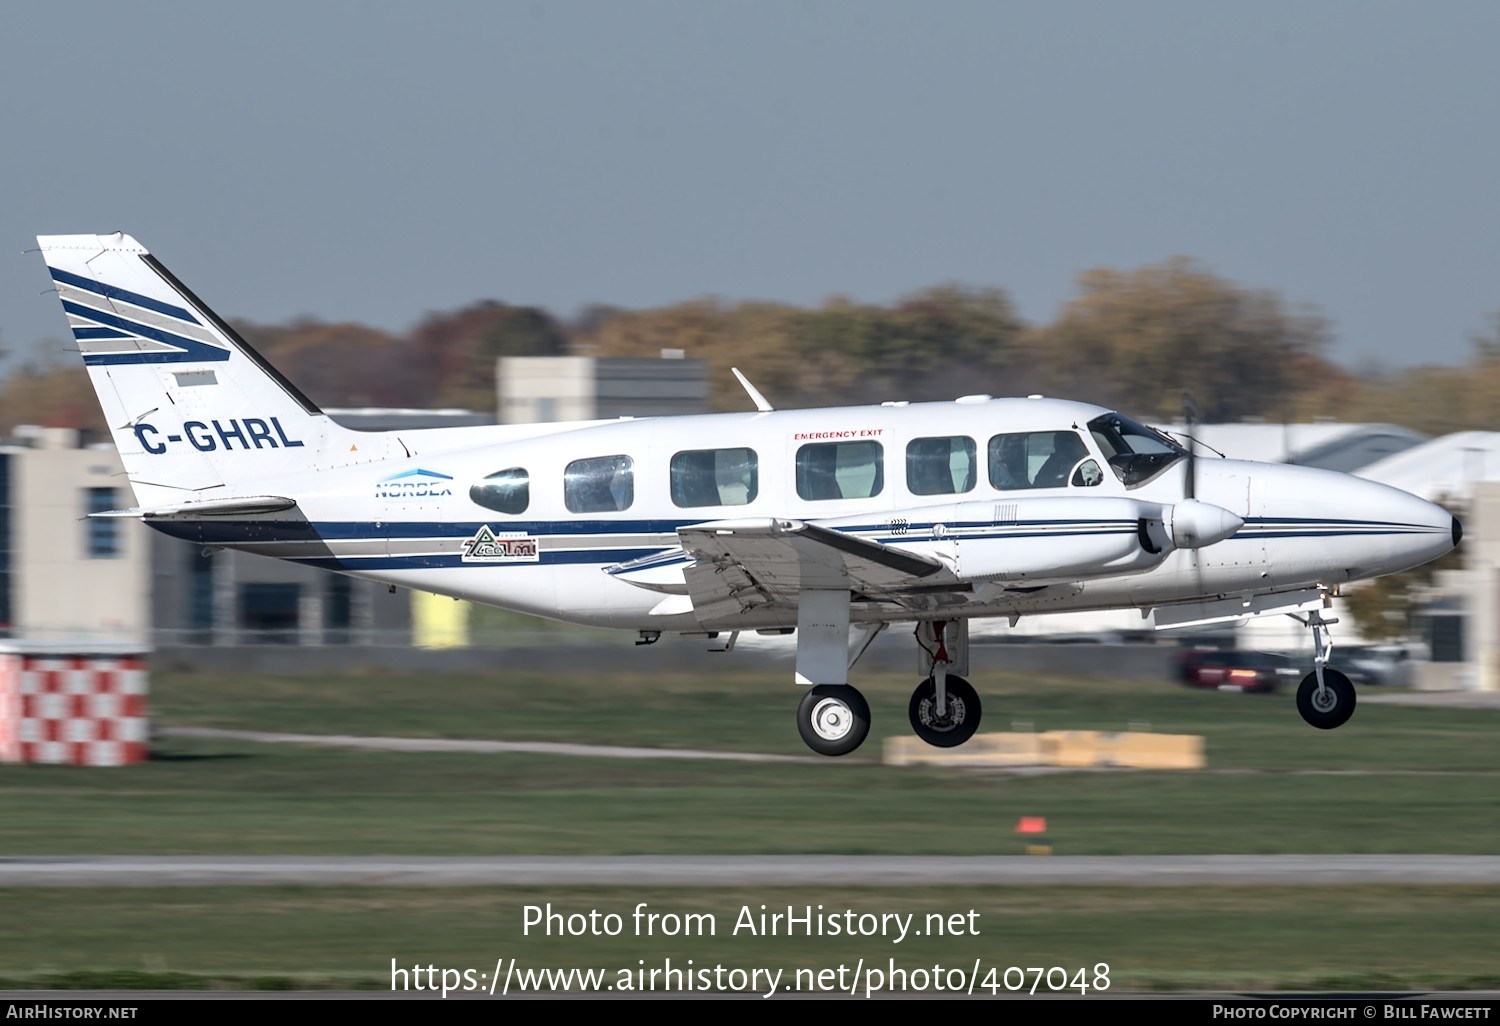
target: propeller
<point>1190,418</point>
<point>1195,523</point>
<point>1192,524</point>
<point>1190,485</point>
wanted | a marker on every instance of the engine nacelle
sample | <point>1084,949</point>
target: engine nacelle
<point>1035,541</point>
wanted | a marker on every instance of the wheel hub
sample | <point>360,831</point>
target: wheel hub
<point>831,719</point>
<point>931,719</point>
<point>1324,700</point>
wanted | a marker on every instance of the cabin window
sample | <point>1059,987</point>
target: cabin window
<point>603,484</point>
<point>1087,475</point>
<point>1039,459</point>
<point>940,466</point>
<point>714,477</point>
<point>840,470</point>
<point>505,491</point>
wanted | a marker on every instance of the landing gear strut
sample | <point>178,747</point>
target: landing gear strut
<point>1325,698</point>
<point>833,718</point>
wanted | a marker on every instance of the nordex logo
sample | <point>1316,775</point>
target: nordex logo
<point>487,547</point>
<point>413,484</point>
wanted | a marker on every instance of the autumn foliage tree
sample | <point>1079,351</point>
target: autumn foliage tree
<point>50,388</point>
<point>937,343</point>
<point>334,364</point>
<point>1138,339</point>
<point>451,357</point>
<point>1135,340</point>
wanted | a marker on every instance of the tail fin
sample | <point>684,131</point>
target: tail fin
<point>194,411</point>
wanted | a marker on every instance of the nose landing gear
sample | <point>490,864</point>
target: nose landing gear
<point>1327,703</point>
<point>1325,698</point>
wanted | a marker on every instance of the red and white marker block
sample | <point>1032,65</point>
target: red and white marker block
<point>80,710</point>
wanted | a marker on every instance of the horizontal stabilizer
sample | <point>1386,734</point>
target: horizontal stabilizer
<point>241,507</point>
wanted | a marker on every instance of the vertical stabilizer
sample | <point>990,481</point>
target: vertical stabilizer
<point>194,411</point>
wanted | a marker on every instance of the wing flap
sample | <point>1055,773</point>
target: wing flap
<point>739,565</point>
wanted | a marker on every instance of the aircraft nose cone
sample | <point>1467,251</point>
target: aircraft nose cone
<point>1458,532</point>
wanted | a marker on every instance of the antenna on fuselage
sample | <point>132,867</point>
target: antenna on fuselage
<point>755,396</point>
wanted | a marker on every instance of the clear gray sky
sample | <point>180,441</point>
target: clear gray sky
<point>376,161</point>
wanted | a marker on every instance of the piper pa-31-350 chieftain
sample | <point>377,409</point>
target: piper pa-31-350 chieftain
<point>827,523</point>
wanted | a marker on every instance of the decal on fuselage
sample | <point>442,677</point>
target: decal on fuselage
<point>250,433</point>
<point>414,484</point>
<point>824,436</point>
<point>488,547</point>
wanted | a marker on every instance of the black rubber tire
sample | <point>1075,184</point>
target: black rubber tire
<point>963,713</point>
<point>1338,713</point>
<point>833,719</point>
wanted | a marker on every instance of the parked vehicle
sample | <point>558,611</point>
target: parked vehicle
<point>1238,670</point>
<point>1377,664</point>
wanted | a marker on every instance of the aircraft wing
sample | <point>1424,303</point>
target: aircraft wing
<point>739,565</point>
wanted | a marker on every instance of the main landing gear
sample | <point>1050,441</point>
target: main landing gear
<point>1325,698</point>
<point>945,708</point>
<point>833,718</point>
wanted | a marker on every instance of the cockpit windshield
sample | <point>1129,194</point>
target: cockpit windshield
<point>1135,452</point>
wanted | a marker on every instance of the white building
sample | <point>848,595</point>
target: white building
<point>1461,469</point>
<point>548,389</point>
<point>64,577</point>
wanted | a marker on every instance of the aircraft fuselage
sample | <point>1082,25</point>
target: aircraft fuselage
<point>413,521</point>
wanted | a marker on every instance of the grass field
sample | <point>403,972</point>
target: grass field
<point>1395,779</point>
<point>750,708</point>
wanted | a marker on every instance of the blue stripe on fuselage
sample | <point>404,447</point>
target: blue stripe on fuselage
<point>220,530</point>
<point>229,532</point>
<point>440,560</point>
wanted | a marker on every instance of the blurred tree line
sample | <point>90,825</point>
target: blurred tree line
<point>1133,340</point>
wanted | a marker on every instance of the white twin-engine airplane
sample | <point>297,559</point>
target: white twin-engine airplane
<point>809,521</point>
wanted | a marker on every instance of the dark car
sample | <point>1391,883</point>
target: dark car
<point>1235,670</point>
<point>1376,664</point>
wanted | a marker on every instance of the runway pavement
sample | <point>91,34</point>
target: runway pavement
<point>438,744</point>
<point>1433,699</point>
<point>764,870</point>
